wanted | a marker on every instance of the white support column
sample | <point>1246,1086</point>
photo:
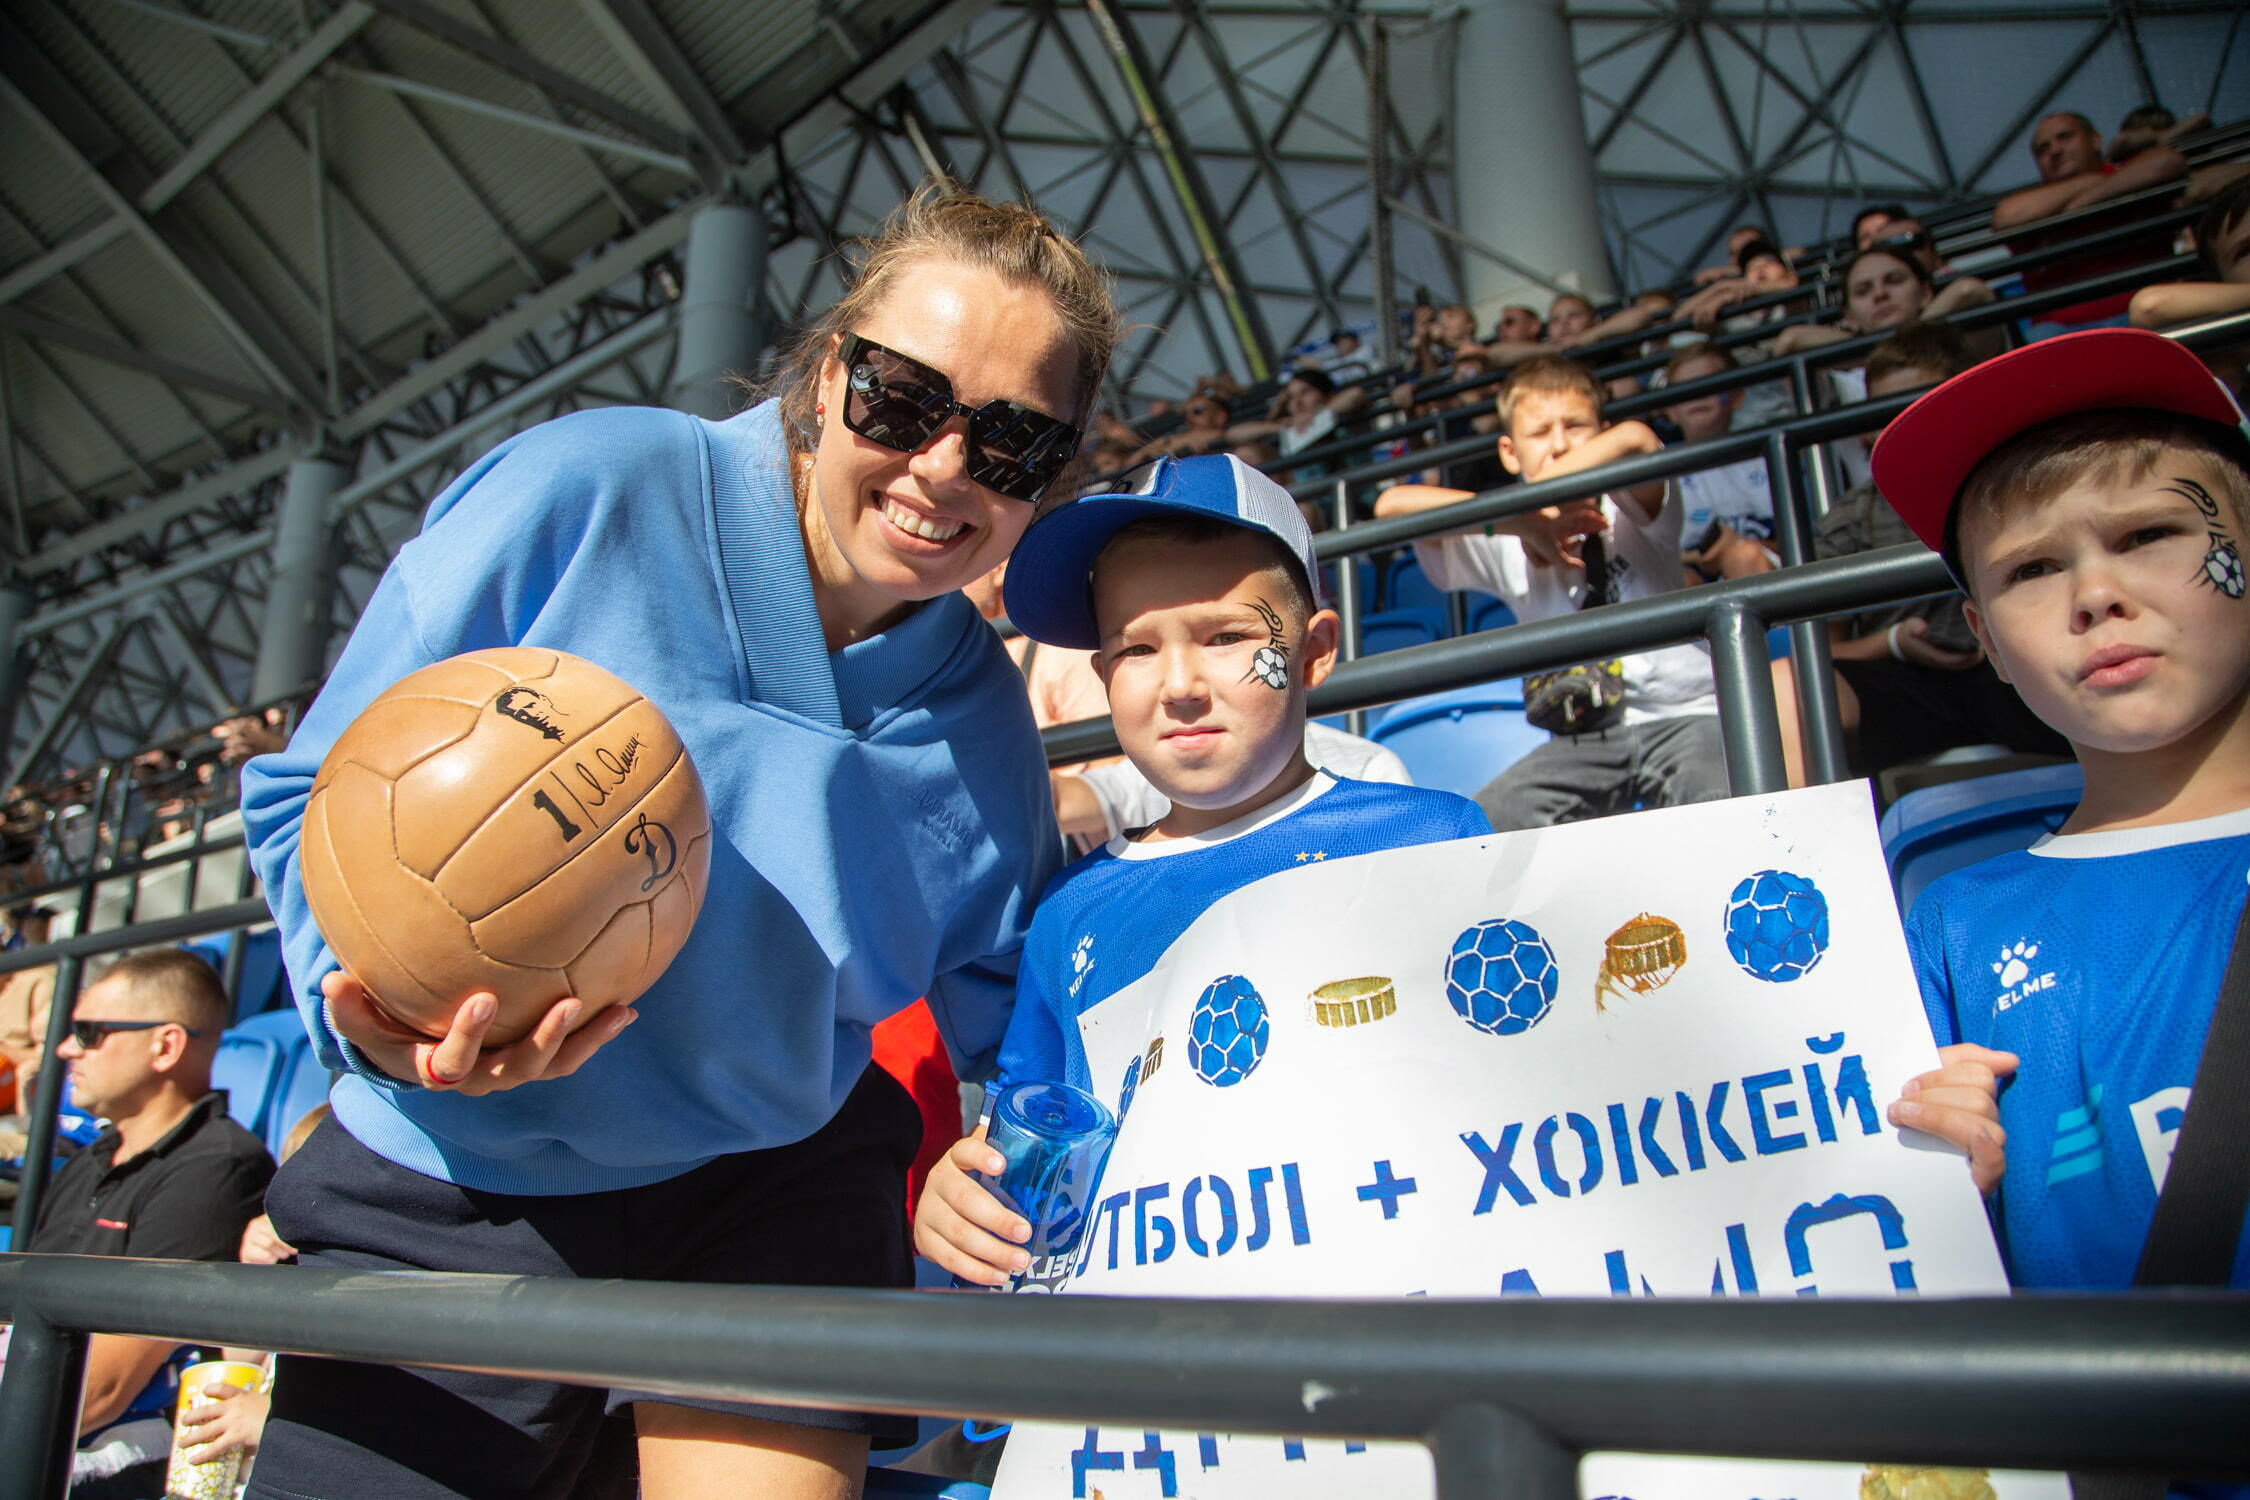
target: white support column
<point>720,323</point>
<point>1523,175</point>
<point>293,645</point>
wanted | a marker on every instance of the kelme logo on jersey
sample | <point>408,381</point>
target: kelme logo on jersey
<point>1081,964</point>
<point>2013,968</point>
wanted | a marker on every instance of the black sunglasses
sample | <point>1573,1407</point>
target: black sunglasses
<point>901,403</point>
<point>91,1034</point>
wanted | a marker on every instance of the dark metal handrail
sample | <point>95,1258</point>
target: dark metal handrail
<point>2153,1383</point>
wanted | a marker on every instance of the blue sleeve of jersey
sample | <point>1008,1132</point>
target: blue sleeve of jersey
<point>1925,944</point>
<point>1470,821</point>
<point>1033,1049</point>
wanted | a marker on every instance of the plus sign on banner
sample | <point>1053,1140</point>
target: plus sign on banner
<point>1643,1056</point>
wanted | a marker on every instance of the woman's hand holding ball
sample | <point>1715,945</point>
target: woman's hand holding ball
<point>458,1061</point>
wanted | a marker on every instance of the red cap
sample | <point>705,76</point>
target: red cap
<point>1925,455</point>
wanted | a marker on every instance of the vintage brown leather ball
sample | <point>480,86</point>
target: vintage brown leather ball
<point>516,821</point>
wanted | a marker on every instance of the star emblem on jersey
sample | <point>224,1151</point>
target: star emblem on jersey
<point>1314,855</point>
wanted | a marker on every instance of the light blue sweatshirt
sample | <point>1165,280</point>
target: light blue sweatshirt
<point>882,812</point>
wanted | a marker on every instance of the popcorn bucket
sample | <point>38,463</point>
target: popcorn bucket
<point>214,1480</point>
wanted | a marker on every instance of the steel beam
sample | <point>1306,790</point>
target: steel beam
<point>1221,262</point>
<point>65,712</point>
<point>591,139</point>
<point>634,33</point>
<point>171,371</point>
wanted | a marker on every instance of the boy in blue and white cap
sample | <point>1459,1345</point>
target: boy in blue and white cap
<point>1195,590</point>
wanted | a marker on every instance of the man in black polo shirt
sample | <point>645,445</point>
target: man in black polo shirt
<point>172,1178</point>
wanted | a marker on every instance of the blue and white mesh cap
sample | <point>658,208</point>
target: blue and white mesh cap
<point>1050,586</point>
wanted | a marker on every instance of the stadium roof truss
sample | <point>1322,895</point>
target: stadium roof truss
<point>393,231</point>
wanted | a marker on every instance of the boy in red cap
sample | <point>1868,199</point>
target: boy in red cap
<point>2092,495</point>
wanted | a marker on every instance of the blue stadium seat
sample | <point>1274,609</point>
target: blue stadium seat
<point>249,1069</point>
<point>1363,572</point>
<point>300,1082</point>
<point>1489,613</point>
<point>1937,829</point>
<point>1390,629</point>
<point>895,1484</point>
<point>1460,740</point>
<point>1406,586</point>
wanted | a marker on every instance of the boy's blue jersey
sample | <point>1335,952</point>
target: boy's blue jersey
<point>1106,920</point>
<point>2096,959</point>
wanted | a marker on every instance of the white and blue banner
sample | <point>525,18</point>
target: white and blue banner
<point>1644,1056</point>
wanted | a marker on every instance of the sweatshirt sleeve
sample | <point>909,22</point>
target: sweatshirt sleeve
<point>385,646</point>
<point>497,542</point>
<point>1925,945</point>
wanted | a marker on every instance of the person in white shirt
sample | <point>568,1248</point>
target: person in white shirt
<point>1665,749</point>
<point>1726,521</point>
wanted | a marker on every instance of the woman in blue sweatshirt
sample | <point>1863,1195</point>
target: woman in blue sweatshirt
<point>783,586</point>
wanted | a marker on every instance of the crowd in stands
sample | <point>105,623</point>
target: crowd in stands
<point>1873,316</point>
<point>1873,319</point>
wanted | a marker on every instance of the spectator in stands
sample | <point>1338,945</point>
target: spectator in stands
<point>171,1178</point>
<point>1199,596</point>
<point>23,829</point>
<point>2073,175</point>
<point>1910,678</point>
<point>1346,361</point>
<point>1664,748</point>
<point>1518,325</point>
<point>247,735</point>
<point>1727,512</point>
<point>1305,412</point>
<point>785,584</point>
<point>1477,474</point>
<point>1763,271</point>
<point>1738,238</point>
<point>1203,430</point>
<point>1885,288</point>
<point>2150,125</point>
<point>2093,495</point>
<point>2222,239</point>
<point>1874,222</point>
<point>1572,324</point>
<point>26,997</point>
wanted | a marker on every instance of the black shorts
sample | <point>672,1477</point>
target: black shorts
<point>1906,712</point>
<point>829,1210</point>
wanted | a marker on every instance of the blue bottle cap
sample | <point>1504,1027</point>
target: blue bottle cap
<point>1053,1112</point>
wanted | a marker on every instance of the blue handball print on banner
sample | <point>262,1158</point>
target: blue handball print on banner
<point>1132,1082</point>
<point>1501,977</point>
<point>1777,925</point>
<point>1228,1034</point>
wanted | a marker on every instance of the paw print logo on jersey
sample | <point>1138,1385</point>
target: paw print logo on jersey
<point>1777,925</point>
<point>2014,964</point>
<point>1501,977</point>
<point>1081,964</point>
<point>1228,1033</point>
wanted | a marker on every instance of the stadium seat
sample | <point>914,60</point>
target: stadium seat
<point>300,1081</point>
<point>1489,613</point>
<point>1391,629</point>
<point>896,1484</point>
<point>1937,829</point>
<point>249,1069</point>
<point>1363,574</point>
<point>1458,741</point>
<point>1406,586</point>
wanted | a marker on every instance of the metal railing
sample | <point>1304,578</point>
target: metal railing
<point>1732,616</point>
<point>1506,1393</point>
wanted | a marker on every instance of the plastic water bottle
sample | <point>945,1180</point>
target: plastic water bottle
<point>1054,1139</point>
